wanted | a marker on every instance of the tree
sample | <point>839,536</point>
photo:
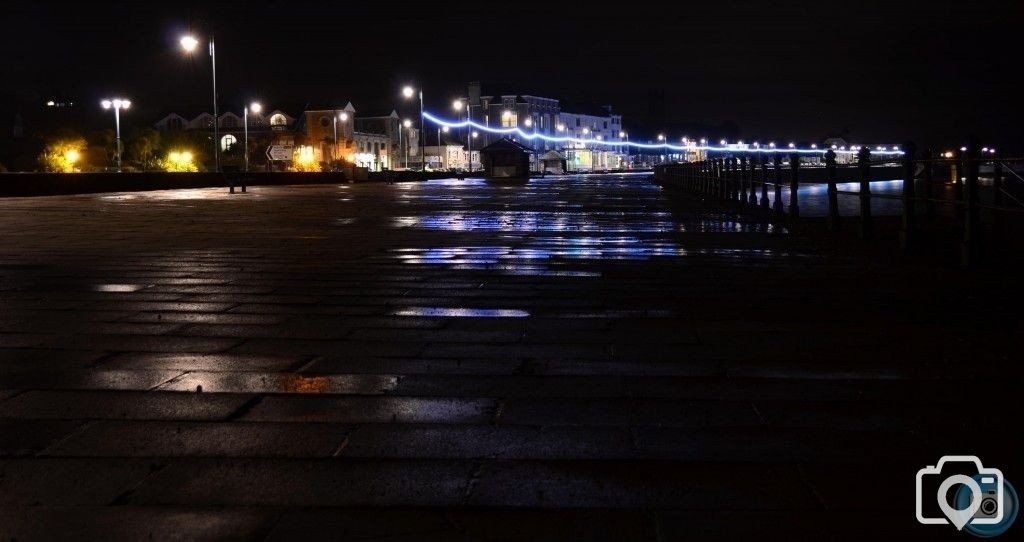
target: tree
<point>143,146</point>
<point>64,153</point>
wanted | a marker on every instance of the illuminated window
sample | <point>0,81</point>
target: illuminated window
<point>509,119</point>
<point>228,142</point>
<point>278,120</point>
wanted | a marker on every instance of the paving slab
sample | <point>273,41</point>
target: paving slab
<point>195,439</point>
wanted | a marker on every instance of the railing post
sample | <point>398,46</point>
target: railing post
<point>968,248</point>
<point>720,178</point>
<point>743,180</point>
<point>997,196</point>
<point>834,220</point>
<point>864,165</point>
<point>794,185</point>
<point>733,189</point>
<point>764,183</point>
<point>704,177</point>
<point>753,180</point>
<point>926,187</point>
<point>723,181</point>
<point>909,223</point>
<point>958,171</point>
<point>778,184</point>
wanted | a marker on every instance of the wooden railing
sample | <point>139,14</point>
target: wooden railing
<point>745,181</point>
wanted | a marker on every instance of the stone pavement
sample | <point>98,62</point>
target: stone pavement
<point>572,359</point>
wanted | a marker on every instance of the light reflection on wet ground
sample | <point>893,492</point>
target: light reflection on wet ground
<point>550,223</point>
<point>461,312</point>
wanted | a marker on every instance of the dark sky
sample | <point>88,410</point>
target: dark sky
<point>932,71</point>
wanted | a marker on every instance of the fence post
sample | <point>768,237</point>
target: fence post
<point>778,184</point>
<point>794,185</point>
<point>909,223</point>
<point>864,164</point>
<point>834,220</point>
<point>764,183</point>
<point>926,187</point>
<point>969,248</point>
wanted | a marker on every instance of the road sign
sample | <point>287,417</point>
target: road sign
<point>280,152</point>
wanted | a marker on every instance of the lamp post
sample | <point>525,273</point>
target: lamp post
<point>474,136</point>
<point>406,124</point>
<point>457,106</point>
<point>440,157</point>
<point>117,104</point>
<point>189,44</point>
<point>255,108</point>
<point>408,92</point>
<point>661,137</point>
<point>343,117</point>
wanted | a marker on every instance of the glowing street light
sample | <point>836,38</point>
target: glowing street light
<point>343,117</point>
<point>255,108</point>
<point>406,124</point>
<point>408,92</point>
<point>189,44</point>
<point>117,104</point>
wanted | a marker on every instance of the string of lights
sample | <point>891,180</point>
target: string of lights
<point>694,146</point>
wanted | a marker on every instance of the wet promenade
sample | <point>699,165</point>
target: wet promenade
<point>569,359</point>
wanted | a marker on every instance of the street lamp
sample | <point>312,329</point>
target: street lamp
<point>189,44</point>
<point>407,124</point>
<point>343,116</point>
<point>408,92</point>
<point>440,157</point>
<point>255,108</point>
<point>117,104</point>
<point>474,136</point>
<point>457,105</point>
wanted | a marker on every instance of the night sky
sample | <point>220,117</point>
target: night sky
<point>932,71</point>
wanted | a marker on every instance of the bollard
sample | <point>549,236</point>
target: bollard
<point>968,247</point>
<point>764,183</point>
<point>864,164</point>
<point>778,184</point>
<point>926,186</point>
<point>909,222</point>
<point>753,181</point>
<point>834,220</point>
<point>794,185</point>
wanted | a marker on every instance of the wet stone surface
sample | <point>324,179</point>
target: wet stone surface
<point>571,358</point>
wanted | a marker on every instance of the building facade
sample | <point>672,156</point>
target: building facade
<point>545,117</point>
